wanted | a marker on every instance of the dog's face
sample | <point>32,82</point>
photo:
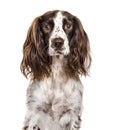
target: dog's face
<point>53,34</point>
<point>58,28</point>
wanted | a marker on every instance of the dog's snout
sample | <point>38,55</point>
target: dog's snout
<point>57,43</point>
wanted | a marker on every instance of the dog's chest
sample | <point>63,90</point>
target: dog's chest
<point>50,90</point>
<point>53,97</point>
<point>56,94</point>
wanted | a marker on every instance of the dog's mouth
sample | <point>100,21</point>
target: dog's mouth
<point>60,52</point>
<point>55,52</point>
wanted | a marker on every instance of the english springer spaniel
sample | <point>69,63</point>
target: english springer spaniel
<point>55,53</point>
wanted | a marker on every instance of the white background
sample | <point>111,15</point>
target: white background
<point>98,18</point>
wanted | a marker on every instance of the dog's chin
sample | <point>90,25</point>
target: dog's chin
<point>58,53</point>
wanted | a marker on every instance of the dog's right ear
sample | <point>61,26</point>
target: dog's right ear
<point>80,58</point>
<point>35,58</point>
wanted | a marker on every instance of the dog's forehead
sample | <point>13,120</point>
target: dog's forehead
<point>61,15</point>
<point>58,15</point>
<point>59,18</point>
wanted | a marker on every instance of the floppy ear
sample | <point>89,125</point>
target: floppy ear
<point>80,58</point>
<point>35,60</point>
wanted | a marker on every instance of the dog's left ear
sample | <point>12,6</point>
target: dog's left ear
<point>80,57</point>
<point>35,60</point>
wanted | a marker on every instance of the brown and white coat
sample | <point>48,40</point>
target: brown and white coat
<point>56,51</point>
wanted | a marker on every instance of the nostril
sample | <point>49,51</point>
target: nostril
<point>57,43</point>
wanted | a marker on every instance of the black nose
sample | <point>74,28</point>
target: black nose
<point>57,43</point>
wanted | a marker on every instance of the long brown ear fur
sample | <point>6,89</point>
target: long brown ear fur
<point>79,58</point>
<point>36,61</point>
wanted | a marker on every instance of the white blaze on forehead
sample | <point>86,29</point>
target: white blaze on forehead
<point>58,26</point>
<point>58,32</point>
<point>59,18</point>
<point>58,23</point>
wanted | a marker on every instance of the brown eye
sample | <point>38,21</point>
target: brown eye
<point>68,26</point>
<point>46,27</point>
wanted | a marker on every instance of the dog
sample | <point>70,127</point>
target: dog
<point>55,53</point>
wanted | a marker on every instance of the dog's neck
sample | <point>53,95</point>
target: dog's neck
<point>58,67</point>
<point>58,61</point>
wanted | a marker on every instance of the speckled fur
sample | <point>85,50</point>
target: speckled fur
<point>54,103</point>
<point>56,51</point>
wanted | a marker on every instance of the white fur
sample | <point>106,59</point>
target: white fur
<point>48,99</point>
<point>55,103</point>
<point>58,32</point>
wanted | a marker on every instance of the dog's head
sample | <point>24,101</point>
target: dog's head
<point>55,33</point>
